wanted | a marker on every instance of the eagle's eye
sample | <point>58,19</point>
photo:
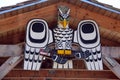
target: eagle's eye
<point>61,18</point>
<point>68,18</point>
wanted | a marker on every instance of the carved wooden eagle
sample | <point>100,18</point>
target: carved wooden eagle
<point>39,38</point>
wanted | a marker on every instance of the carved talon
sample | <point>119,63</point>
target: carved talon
<point>59,59</point>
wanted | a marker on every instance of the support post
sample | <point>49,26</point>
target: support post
<point>113,65</point>
<point>9,65</point>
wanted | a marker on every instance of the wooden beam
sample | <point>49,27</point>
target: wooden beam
<point>113,65</point>
<point>109,43</point>
<point>65,73</point>
<point>10,50</point>
<point>53,78</point>
<point>17,50</point>
<point>110,34</point>
<point>113,52</point>
<point>9,65</point>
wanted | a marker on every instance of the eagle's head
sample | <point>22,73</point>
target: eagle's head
<point>63,17</point>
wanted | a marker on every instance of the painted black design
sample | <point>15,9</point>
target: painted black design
<point>88,28</point>
<point>38,27</point>
<point>89,40</point>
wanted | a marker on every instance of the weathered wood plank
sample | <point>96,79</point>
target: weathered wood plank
<point>53,78</point>
<point>9,65</point>
<point>113,52</point>
<point>113,65</point>
<point>110,34</point>
<point>65,73</point>
<point>48,63</point>
<point>109,43</point>
<point>16,50</point>
<point>10,50</point>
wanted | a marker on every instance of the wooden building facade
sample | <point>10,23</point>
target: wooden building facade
<point>12,34</point>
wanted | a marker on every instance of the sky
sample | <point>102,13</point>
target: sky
<point>10,2</point>
<point>115,3</point>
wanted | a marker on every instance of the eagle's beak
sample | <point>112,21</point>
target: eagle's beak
<point>64,23</point>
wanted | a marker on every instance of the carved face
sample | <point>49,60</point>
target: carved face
<point>63,17</point>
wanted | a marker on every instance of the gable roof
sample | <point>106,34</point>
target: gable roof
<point>103,6</point>
<point>91,5</point>
<point>109,22</point>
<point>21,5</point>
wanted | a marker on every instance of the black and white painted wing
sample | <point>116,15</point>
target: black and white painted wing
<point>87,35</point>
<point>37,37</point>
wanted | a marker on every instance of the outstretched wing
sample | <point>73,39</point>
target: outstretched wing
<point>37,37</point>
<point>88,37</point>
